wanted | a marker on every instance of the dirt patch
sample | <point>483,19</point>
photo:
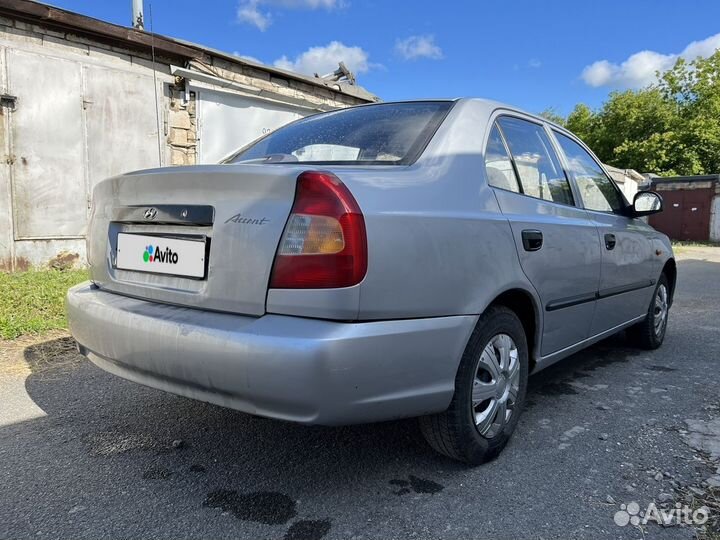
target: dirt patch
<point>21,264</point>
<point>55,347</point>
<point>59,353</point>
<point>64,261</point>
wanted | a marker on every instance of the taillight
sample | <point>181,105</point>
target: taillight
<point>324,244</point>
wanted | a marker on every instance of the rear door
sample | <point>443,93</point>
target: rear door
<point>556,242</point>
<point>628,259</point>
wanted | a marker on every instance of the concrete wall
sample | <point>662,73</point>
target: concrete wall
<point>625,181</point>
<point>715,216</point>
<point>85,110</point>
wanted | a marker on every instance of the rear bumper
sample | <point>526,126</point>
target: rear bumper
<point>290,368</point>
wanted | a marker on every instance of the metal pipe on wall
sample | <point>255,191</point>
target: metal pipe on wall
<point>138,17</point>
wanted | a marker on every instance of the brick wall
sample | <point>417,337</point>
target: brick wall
<point>182,128</point>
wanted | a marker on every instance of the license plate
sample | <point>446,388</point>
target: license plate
<point>161,255</point>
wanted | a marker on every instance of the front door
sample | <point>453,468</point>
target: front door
<point>628,263</point>
<point>556,242</point>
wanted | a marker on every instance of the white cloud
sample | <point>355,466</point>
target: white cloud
<point>323,60</point>
<point>534,63</point>
<point>418,47</point>
<point>251,12</point>
<point>307,4</point>
<point>639,69</point>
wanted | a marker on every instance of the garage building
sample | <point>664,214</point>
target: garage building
<point>691,207</point>
<point>82,100</point>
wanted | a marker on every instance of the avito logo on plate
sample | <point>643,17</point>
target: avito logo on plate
<point>155,254</point>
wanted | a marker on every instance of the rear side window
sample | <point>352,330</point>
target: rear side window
<point>383,134</point>
<point>498,166</point>
<point>541,175</point>
<point>596,189</point>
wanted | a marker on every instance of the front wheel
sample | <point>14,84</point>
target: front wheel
<point>650,333</point>
<point>490,388</point>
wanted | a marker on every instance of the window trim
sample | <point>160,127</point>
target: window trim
<point>530,120</point>
<point>520,191</point>
<point>621,211</point>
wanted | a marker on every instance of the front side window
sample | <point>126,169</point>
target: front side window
<point>541,175</point>
<point>498,167</point>
<point>382,134</point>
<point>596,189</point>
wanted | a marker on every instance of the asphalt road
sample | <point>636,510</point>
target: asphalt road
<point>86,455</point>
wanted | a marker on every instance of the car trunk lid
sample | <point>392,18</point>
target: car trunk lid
<point>236,212</point>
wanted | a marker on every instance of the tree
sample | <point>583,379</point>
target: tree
<point>695,88</point>
<point>672,127</point>
<point>552,115</point>
<point>582,121</point>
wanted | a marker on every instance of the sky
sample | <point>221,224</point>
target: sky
<point>536,55</point>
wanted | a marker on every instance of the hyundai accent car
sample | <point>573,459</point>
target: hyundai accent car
<point>393,260</point>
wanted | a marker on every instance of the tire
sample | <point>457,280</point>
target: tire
<point>454,432</point>
<point>650,333</point>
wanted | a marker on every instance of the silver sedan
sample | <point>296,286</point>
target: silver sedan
<point>384,261</point>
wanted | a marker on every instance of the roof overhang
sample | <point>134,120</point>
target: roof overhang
<point>171,48</point>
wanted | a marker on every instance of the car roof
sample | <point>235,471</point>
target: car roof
<point>484,102</point>
<point>493,104</point>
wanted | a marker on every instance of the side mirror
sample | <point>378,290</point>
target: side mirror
<point>646,203</point>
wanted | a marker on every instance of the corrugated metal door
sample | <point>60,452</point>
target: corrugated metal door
<point>121,124</point>
<point>48,177</point>
<point>229,121</point>
<point>696,214</point>
<point>686,214</point>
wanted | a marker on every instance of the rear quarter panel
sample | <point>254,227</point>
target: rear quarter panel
<point>437,241</point>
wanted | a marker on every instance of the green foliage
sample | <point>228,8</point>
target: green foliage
<point>34,301</point>
<point>669,128</point>
<point>582,122</point>
<point>552,115</point>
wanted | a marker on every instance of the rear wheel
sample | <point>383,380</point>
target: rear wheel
<point>490,388</point>
<point>650,333</point>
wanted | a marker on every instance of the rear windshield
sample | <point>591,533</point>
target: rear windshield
<point>383,134</point>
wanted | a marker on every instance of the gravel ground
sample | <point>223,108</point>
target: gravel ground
<point>86,455</point>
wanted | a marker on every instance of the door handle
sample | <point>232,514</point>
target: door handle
<point>610,241</point>
<point>532,239</point>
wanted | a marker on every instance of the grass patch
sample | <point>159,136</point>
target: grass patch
<point>34,301</point>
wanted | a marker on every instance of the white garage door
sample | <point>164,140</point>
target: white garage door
<point>121,125</point>
<point>48,177</point>
<point>229,121</point>
<point>73,126</point>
